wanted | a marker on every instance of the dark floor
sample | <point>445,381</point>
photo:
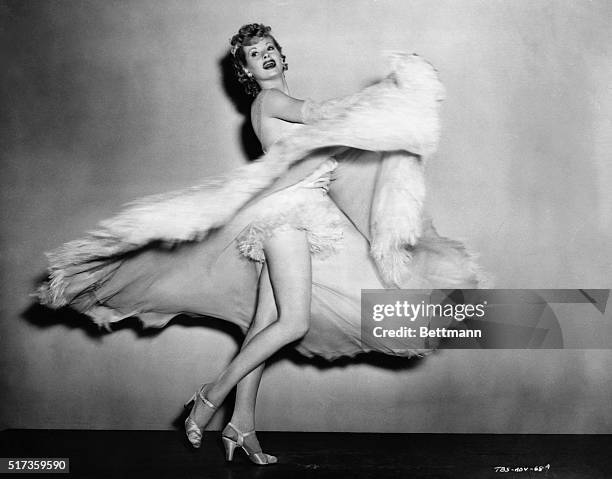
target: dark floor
<point>117,454</point>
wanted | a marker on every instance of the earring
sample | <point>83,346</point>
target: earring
<point>285,66</point>
<point>248,73</point>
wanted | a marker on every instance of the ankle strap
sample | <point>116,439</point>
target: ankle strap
<point>206,401</point>
<point>241,435</point>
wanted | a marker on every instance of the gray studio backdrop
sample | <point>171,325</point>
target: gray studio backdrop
<point>106,101</point>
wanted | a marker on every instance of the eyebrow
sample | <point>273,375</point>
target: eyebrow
<point>269,42</point>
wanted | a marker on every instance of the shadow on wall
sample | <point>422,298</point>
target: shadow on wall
<point>44,317</point>
<point>242,103</point>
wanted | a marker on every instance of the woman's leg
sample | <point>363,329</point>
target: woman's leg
<point>354,185</point>
<point>243,416</point>
<point>288,259</point>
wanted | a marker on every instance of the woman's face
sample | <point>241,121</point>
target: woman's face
<point>263,59</point>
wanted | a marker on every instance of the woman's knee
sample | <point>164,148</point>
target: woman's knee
<point>289,267</point>
<point>295,328</point>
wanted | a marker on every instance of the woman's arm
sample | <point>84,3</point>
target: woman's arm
<point>277,104</point>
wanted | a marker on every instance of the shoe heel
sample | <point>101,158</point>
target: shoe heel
<point>229,446</point>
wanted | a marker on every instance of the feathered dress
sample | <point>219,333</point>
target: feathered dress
<point>199,251</point>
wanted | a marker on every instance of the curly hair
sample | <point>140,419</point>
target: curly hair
<point>248,35</point>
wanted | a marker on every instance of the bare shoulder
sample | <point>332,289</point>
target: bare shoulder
<point>273,101</point>
<point>277,104</point>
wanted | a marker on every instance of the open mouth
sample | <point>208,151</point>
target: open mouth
<point>269,64</point>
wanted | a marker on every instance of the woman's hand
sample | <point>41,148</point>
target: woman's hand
<point>321,177</point>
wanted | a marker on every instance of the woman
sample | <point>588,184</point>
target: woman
<point>281,260</point>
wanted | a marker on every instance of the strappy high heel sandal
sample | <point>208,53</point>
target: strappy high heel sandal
<point>193,431</point>
<point>230,443</point>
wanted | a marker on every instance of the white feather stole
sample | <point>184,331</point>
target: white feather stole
<point>398,115</point>
<point>396,219</point>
